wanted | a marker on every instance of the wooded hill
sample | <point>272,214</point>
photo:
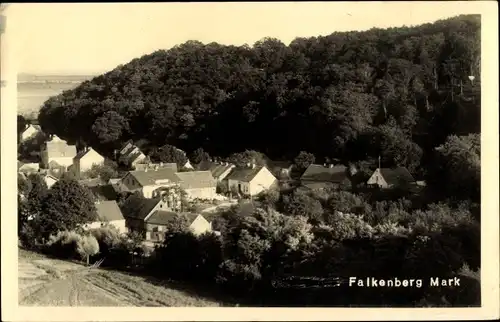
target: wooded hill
<point>397,93</point>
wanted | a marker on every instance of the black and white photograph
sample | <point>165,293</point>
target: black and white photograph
<point>250,155</point>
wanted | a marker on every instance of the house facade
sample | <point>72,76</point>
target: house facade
<point>156,225</point>
<point>30,132</point>
<point>147,181</point>
<point>58,151</point>
<point>87,158</point>
<point>219,170</point>
<point>317,176</point>
<point>251,180</point>
<point>198,184</point>
<point>131,155</point>
<point>49,180</point>
<point>108,213</point>
<point>387,178</point>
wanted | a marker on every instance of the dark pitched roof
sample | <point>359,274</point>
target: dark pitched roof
<point>104,192</point>
<point>196,179</point>
<point>137,207</point>
<point>163,217</point>
<point>244,174</point>
<point>147,178</point>
<point>217,169</point>
<point>397,175</point>
<point>108,211</point>
<point>319,173</point>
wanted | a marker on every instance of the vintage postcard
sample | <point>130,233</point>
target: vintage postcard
<point>249,161</point>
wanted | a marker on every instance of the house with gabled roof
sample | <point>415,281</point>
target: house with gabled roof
<point>58,151</point>
<point>147,181</point>
<point>28,167</point>
<point>157,223</point>
<point>251,180</point>
<point>131,155</point>
<point>31,131</point>
<point>317,176</point>
<point>50,180</point>
<point>85,159</point>
<point>198,184</point>
<point>391,178</point>
<point>219,170</point>
<point>108,213</point>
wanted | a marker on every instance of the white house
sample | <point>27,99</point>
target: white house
<point>59,151</point>
<point>157,222</point>
<point>108,213</point>
<point>198,184</point>
<point>251,180</point>
<point>49,180</point>
<point>391,178</point>
<point>29,167</point>
<point>131,155</point>
<point>85,159</point>
<point>29,132</point>
<point>147,181</point>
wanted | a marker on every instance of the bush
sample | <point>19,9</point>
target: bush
<point>64,244</point>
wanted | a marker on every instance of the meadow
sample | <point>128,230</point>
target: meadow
<point>51,282</point>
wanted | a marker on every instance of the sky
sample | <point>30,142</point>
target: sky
<point>91,38</point>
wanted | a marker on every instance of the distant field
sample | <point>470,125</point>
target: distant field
<point>49,282</point>
<point>31,96</point>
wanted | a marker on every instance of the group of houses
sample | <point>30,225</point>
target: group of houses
<point>160,187</point>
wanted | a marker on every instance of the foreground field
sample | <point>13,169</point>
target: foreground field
<point>49,282</point>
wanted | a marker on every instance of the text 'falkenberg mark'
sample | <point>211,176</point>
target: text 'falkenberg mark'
<point>396,282</point>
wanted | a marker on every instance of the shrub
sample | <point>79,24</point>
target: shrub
<point>64,244</point>
<point>87,246</point>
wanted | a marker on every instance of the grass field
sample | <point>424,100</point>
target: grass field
<point>49,282</point>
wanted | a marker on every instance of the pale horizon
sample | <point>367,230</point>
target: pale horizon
<point>93,38</point>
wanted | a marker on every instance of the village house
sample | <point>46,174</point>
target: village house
<point>138,210</point>
<point>108,213</point>
<point>251,180</point>
<point>281,169</point>
<point>28,168</point>
<point>85,159</point>
<point>386,178</point>
<point>101,190</point>
<point>50,180</point>
<point>156,224</point>
<point>317,177</point>
<point>30,132</point>
<point>219,170</point>
<point>58,151</point>
<point>198,184</point>
<point>147,181</point>
<point>131,155</point>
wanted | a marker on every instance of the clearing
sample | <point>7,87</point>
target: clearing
<point>50,282</point>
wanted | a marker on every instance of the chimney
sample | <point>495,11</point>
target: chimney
<point>331,165</point>
<point>146,169</point>
<point>253,165</point>
<point>161,164</point>
<point>249,165</point>
<point>325,165</point>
